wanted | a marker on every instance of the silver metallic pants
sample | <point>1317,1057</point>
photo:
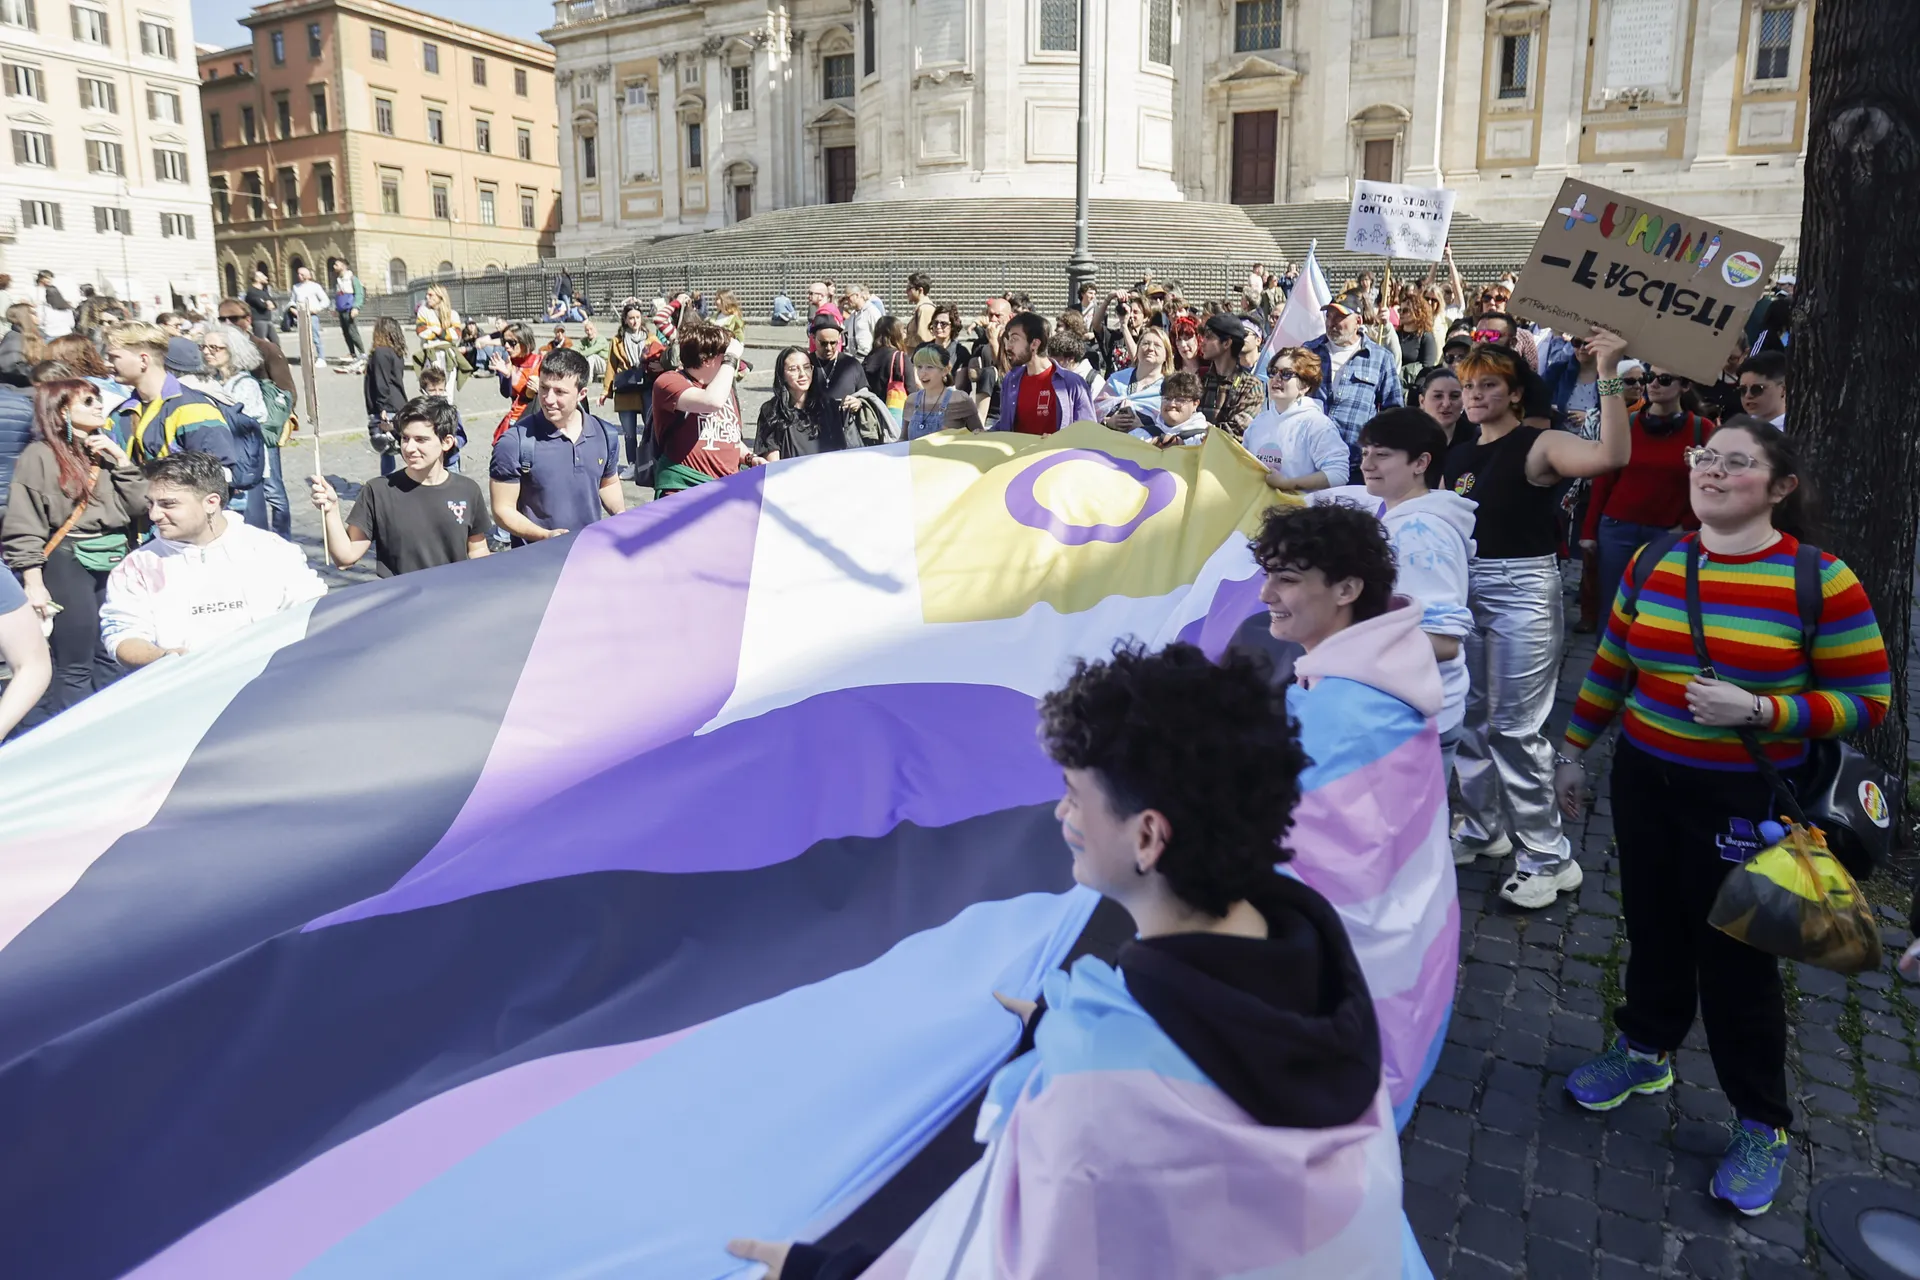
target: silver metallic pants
<point>1505,765</point>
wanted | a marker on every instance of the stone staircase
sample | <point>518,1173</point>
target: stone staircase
<point>973,248</point>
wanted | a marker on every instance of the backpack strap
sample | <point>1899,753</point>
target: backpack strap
<point>1645,563</point>
<point>526,452</point>
<point>1808,595</point>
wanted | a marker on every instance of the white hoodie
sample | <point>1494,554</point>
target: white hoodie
<point>1432,539</point>
<point>175,595</point>
<point>1298,441</point>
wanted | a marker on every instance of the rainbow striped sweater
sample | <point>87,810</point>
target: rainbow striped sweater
<point>1752,624</point>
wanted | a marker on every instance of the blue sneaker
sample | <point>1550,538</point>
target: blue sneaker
<point>1749,1174</point>
<point>1618,1074</point>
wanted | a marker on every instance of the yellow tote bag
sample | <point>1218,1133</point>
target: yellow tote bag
<point>1795,900</point>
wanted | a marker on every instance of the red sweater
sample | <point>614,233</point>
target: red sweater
<point>1652,487</point>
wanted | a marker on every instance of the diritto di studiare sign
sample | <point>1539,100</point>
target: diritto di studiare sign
<point>1677,288</point>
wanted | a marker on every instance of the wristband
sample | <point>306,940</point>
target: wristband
<point>1610,387</point>
<point>1561,757</point>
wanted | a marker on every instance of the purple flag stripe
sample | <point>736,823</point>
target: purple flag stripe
<point>1234,601</point>
<point>853,762</point>
<point>639,646</point>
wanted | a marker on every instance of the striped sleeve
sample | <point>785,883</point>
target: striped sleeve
<point>1850,687</point>
<point>1609,676</point>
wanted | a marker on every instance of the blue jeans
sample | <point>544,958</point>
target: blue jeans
<point>1618,541</point>
<point>319,344</point>
<point>273,491</point>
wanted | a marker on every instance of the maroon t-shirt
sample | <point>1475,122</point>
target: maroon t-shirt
<point>705,442</point>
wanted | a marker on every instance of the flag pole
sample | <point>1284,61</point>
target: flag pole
<point>309,357</point>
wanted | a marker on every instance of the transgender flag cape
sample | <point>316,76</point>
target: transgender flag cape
<point>571,911</point>
<point>1110,1155</point>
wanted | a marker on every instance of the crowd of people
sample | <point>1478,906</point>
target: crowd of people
<point>148,514</point>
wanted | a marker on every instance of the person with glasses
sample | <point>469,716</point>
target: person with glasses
<point>1300,445</point>
<point>71,516</point>
<point>1763,387</point>
<point>1688,799</point>
<point>1505,763</point>
<point>517,365</point>
<point>1647,497</point>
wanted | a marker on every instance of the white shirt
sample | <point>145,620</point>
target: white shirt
<point>309,296</point>
<point>176,595</point>
<point>1338,356</point>
<point>1298,442</point>
<point>55,322</point>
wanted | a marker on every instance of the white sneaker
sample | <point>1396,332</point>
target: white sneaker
<point>1533,890</point>
<point>1465,851</point>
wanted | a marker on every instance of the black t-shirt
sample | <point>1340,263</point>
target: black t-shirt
<point>418,526</point>
<point>1516,518</point>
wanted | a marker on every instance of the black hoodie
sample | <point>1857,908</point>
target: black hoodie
<point>1283,1025</point>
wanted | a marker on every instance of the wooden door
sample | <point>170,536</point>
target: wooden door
<point>1376,163</point>
<point>742,202</point>
<point>1255,145</point>
<point>840,175</point>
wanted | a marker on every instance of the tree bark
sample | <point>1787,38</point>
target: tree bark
<point>1851,396</point>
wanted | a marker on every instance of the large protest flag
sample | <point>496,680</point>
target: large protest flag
<point>1301,320</point>
<point>669,912</point>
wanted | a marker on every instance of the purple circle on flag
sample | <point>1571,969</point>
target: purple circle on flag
<point>1024,506</point>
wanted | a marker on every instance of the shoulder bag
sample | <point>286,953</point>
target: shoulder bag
<point>1846,795</point>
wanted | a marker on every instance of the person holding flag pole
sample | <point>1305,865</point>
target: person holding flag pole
<point>1302,319</point>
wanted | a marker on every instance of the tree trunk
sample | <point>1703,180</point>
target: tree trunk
<point>1851,395</point>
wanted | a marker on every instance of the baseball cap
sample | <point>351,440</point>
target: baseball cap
<point>1228,327</point>
<point>1337,311</point>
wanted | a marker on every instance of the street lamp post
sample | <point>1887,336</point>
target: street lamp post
<point>1080,268</point>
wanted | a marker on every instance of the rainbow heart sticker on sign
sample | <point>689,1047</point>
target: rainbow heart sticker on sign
<point>1741,269</point>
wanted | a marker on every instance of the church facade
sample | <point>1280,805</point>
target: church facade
<point>683,115</point>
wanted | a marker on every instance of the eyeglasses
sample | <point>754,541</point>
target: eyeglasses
<point>1666,379</point>
<point>943,324</point>
<point>1752,390</point>
<point>1282,375</point>
<point>1701,458</point>
<point>1166,401</point>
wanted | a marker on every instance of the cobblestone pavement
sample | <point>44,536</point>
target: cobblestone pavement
<point>1505,1176</point>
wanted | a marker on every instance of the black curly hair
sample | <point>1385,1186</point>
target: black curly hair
<point>1208,746</point>
<point>1339,540</point>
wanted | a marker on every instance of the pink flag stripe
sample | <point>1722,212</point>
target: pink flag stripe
<point>282,1228</point>
<point>1410,1019</point>
<point>1353,836</point>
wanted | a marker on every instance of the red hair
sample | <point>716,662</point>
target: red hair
<point>50,403</point>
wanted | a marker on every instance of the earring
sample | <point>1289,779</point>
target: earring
<point>1139,870</point>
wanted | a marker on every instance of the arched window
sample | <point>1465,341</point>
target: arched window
<point>232,275</point>
<point>446,269</point>
<point>293,266</point>
<point>870,39</point>
<point>396,274</point>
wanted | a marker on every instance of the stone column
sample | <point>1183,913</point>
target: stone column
<point>1460,136</point>
<point>1562,89</point>
<point>719,90</point>
<point>764,119</point>
<point>668,114</point>
<point>1003,118</point>
<point>1333,63</point>
<point>1422,166</point>
<point>1717,48</point>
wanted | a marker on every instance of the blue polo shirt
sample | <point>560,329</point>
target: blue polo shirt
<point>560,489</point>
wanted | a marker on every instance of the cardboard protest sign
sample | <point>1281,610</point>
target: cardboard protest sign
<point>1395,221</point>
<point>1678,288</point>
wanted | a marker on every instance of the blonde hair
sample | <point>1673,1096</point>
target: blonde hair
<point>1159,335</point>
<point>442,307</point>
<point>138,335</point>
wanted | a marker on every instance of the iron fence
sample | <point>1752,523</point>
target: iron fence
<point>526,293</point>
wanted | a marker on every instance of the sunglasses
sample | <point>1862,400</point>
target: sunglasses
<point>1634,382</point>
<point>1750,390</point>
<point>1667,379</point>
<point>1487,335</point>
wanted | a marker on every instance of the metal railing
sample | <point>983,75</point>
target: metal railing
<point>526,293</point>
